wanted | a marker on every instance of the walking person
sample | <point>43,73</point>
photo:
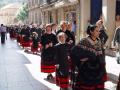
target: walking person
<point>70,40</point>
<point>3,33</point>
<point>70,37</point>
<point>48,40</point>
<point>117,42</point>
<point>61,57</point>
<point>12,32</point>
<point>35,42</point>
<point>88,58</point>
<point>103,35</point>
<point>39,32</point>
<point>25,32</point>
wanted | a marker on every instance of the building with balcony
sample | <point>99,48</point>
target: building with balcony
<point>34,15</point>
<point>58,10</point>
<point>8,13</point>
<point>81,11</point>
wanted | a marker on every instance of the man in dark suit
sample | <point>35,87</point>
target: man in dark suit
<point>3,32</point>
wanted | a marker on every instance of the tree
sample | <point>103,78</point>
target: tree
<point>22,13</point>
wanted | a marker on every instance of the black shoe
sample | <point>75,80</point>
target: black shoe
<point>49,77</point>
<point>25,50</point>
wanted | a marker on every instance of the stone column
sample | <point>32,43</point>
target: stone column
<point>28,17</point>
<point>32,16</point>
<point>83,15</point>
<point>62,13</point>
<point>36,16</point>
<point>54,16</point>
<point>38,2</point>
<point>38,19</point>
<point>47,17</point>
<point>39,16</point>
<point>59,15</point>
<point>30,20</point>
<point>42,17</point>
<point>77,37</point>
<point>108,10</point>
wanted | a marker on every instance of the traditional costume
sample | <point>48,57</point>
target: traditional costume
<point>47,54</point>
<point>88,58</point>
<point>25,40</point>
<point>62,72</point>
<point>35,42</point>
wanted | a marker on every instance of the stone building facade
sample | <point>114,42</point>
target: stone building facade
<point>34,15</point>
<point>8,13</point>
<point>82,11</point>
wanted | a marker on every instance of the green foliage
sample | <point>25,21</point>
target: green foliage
<point>22,13</point>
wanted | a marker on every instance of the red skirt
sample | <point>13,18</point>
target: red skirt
<point>26,44</point>
<point>48,68</point>
<point>47,61</point>
<point>62,82</point>
<point>80,86</point>
<point>93,87</point>
<point>34,49</point>
<point>62,78</point>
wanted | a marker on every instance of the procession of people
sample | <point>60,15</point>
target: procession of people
<point>78,66</point>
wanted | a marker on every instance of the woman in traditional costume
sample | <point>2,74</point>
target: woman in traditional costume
<point>48,40</point>
<point>88,59</point>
